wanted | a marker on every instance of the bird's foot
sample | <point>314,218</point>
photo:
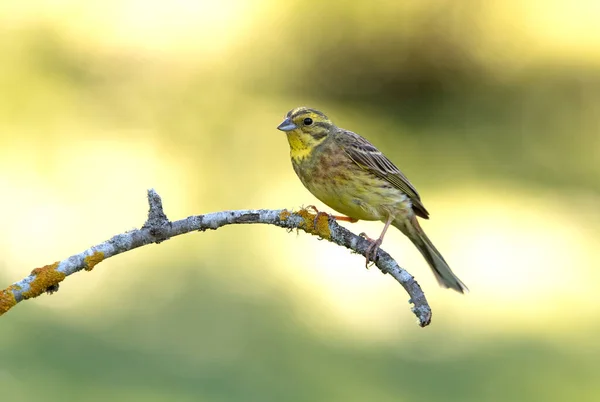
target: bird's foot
<point>314,209</point>
<point>371,252</point>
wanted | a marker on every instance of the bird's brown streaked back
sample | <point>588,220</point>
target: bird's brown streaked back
<point>365,155</point>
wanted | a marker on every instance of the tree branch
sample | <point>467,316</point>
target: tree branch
<point>158,228</point>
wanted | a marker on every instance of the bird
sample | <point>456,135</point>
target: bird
<point>350,175</point>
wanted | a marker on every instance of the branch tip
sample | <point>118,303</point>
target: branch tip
<point>157,221</point>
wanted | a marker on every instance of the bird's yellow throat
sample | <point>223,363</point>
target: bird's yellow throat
<point>301,145</point>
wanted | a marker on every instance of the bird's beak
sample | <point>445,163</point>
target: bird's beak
<point>287,125</point>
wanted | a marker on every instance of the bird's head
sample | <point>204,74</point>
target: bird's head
<point>305,128</point>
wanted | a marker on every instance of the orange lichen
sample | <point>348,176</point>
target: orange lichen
<point>284,215</point>
<point>315,224</point>
<point>7,299</point>
<point>46,278</point>
<point>92,260</point>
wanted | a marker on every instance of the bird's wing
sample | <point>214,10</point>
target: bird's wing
<point>365,155</point>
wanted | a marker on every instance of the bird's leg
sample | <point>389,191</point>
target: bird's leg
<point>371,253</point>
<point>344,218</point>
<point>336,217</point>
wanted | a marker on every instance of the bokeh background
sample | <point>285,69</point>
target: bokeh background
<point>491,108</point>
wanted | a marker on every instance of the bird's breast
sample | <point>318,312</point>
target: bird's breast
<point>339,183</point>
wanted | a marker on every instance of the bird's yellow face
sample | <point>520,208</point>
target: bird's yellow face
<point>305,128</point>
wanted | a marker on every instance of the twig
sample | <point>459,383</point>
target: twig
<point>158,228</point>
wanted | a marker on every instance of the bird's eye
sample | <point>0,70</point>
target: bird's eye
<point>308,121</point>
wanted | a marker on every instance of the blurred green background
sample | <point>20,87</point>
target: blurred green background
<point>492,109</point>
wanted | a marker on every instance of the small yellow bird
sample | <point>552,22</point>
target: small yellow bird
<point>350,175</point>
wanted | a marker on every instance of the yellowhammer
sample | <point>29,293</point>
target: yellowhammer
<point>350,175</point>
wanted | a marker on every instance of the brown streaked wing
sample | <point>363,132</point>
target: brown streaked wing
<point>365,155</point>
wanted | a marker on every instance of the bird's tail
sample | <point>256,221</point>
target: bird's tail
<point>439,266</point>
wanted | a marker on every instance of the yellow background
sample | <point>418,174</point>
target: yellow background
<point>492,110</point>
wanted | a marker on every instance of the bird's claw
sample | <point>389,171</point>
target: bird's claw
<point>320,214</point>
<point>372,249</point>
<point>312,208</point>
